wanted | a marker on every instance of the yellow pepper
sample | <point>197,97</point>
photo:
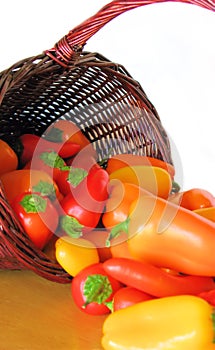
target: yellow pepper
<point>208,213</point>
<point>150,178</point>
<point>172,323</point>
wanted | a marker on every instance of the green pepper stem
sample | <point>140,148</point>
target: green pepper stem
<point>71,226</point>
<point>97,288</point>
<point>109,304</point>
<point>116,230</point>
<point>33,203</point>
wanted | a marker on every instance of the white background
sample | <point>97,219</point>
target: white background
<point>169,48</point>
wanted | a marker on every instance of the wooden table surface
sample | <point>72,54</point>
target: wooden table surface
<point>36,314</point>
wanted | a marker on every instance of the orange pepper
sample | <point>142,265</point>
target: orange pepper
<point>169,236</point>
<point>121,195</point>
<point>118,247</point>
<point>26,180</point>
<point>8,158</point>
<point>197,198</point>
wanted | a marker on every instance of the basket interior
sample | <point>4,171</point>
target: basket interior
<point>101,97</point>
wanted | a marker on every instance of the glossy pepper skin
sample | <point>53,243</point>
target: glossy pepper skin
<point>150,178</point>
<point>34,144</point>
<point>154,280</point>
<point>121,195</point>
<point>156,226</point>
<point>82,208</point>
<point>172,323</point>
<point>8,158</point>
<point>119,161</point>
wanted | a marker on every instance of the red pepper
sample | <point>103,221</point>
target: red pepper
<point>84,205</point>
<point>209,296</point>
<point>35,144</point>
<point>86,186</point>
<point>37,215</point>
<point>127,296</point>
<point>48,161</point>
<point>77,219</point>
<point>92,289</point>
<point>69,178</point>
<point>154,280</point>
<point>65,130</point>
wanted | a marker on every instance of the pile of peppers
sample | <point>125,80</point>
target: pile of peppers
<point>138,249</point>
<point>162,254</point>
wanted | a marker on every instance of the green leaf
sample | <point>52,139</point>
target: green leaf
<point>33,203</point>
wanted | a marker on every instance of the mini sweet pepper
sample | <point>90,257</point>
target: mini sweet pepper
<point>178,322</point>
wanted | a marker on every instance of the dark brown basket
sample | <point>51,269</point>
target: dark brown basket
<point>100,96</point>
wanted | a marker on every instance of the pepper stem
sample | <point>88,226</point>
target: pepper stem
<point>71,226</point>
<point>109,304</point>
<point>97,288</point>
<point>116,230</point>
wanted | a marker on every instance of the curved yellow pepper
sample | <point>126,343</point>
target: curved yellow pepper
<point>208,213</point>
<point>150,178</point>
<point>172,323</point>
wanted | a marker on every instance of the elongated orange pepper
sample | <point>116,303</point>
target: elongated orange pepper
<point>182,322</point>
<point>167,235</point>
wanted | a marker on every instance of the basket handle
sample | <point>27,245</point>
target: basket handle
<point>74,41</point>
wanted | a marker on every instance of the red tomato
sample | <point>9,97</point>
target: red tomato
<point>128,296</point>
<point>197,198</point>
<point>37,215</point>
<point>92,287</point>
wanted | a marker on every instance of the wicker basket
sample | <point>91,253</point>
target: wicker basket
<point>98,95</point>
